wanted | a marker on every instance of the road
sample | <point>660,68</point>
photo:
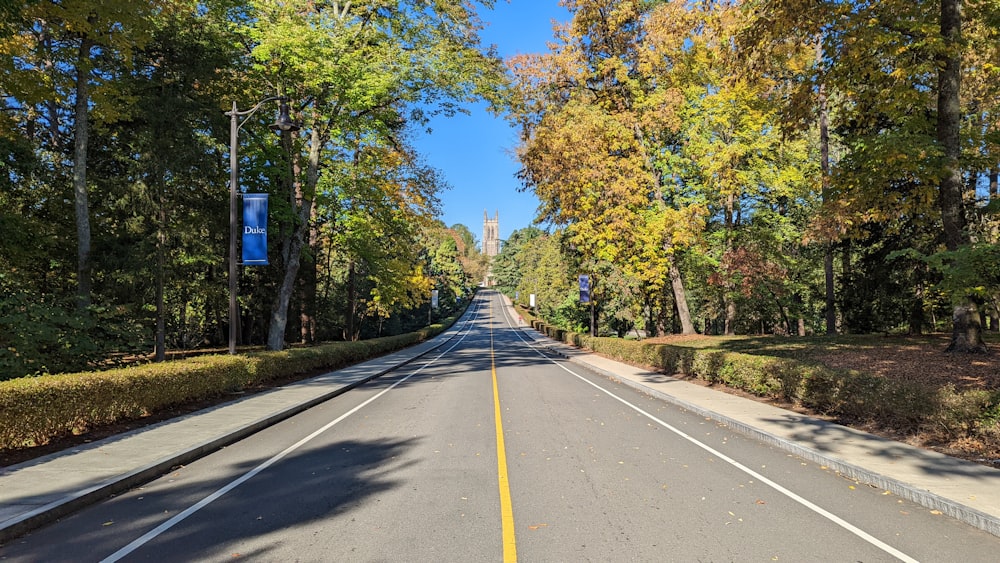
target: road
<point>488,450</point>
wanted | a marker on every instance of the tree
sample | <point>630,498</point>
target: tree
<point>475,263</point>
<point>354,72</point>
<point>62,47</point>
<point>510,265</point>
<point>594,120</point>
<point>903,163</point>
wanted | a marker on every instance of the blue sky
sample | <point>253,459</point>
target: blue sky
<point>474,152</point>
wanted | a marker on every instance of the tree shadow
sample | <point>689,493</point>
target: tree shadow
<point>309,485</point>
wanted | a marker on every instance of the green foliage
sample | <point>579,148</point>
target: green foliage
<point>160,75</point>
<point>972,269</point>
<point>39,337</point>
<point>511,265</point>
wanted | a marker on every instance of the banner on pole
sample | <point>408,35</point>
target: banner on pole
<point>434,299</point>
<point>255,230</point>
<point>584,288</point>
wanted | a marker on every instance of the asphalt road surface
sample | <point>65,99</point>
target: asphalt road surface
<point>487,450</point>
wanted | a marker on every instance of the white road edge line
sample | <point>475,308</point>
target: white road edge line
<point>152,534</point>
<point>793,496</point>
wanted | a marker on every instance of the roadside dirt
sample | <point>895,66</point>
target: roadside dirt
<point>911,358</point>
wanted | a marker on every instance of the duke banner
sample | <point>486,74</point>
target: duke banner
<point>255,229</point>
<point>584,288</point>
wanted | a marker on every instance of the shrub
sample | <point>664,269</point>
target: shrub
<point>34,410</point>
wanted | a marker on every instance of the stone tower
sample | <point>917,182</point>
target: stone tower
<point>491,234</point>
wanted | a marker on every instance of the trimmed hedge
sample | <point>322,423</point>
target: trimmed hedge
<point>34,410</point>
<point>848,395</point>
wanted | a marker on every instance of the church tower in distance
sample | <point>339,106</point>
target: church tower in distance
<point>491,234</point>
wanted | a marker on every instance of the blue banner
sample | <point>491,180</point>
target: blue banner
<point>255,229</point>
<point>584,288</point>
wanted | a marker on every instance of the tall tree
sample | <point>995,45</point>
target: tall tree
<point>595,115</point>
<point>63,47</point>
<point>354,71</point>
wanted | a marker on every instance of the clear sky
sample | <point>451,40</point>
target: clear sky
<point>474,152</point>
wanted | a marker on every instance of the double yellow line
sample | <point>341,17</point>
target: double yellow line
<point>506,508</point>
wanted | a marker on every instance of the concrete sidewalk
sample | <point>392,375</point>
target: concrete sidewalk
<point>47,488</point>
<point>964,490</point>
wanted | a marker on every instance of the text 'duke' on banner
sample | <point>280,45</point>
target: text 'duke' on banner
<point>255,229</point>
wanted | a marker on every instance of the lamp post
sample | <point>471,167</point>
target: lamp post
<point>282,123</point>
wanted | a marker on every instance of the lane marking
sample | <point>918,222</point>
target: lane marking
<point>155,532</point>
<point>506,507</point>
<point>788,493</point>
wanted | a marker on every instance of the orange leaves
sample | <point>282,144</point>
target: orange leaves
<point>749,270</point>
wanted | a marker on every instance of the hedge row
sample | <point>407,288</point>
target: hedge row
<point>34,410</point>
<point>848,395</point>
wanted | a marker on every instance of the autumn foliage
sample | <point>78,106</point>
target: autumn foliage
<point>767,166</point>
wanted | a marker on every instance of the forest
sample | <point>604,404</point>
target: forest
<point>786,167</point>
<point>789,167</point>
<point>115,184</point>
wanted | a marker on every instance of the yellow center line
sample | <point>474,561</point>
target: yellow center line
<point>506,508</point>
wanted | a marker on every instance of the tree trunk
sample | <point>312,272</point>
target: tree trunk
<point>307,299</point>
<point>279,312</point>
<point>948,124</point>
<point>680,298</point>
<point>967,333</point>
<point>160,352</point>
<point>352,301</point>
<point>729,327</point>
<point>302,202</point>
<point>824,152</point>
<point>994,191</point>
<point>184,336</point>
<point>916,321</point>
<point>727,297</point>
<point>81,134</point>
<point>800,328</point>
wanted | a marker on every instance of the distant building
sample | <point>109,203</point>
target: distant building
<point>491,234</point>
<point>491,244</point>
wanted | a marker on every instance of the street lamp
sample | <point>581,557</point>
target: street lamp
<point>282,123</point>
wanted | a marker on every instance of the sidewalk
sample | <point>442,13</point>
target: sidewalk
<point>964,490</point>
<point>44,489</point>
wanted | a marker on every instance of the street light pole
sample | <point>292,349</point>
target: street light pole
<point>283,123</point>
<point>234,179</point>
